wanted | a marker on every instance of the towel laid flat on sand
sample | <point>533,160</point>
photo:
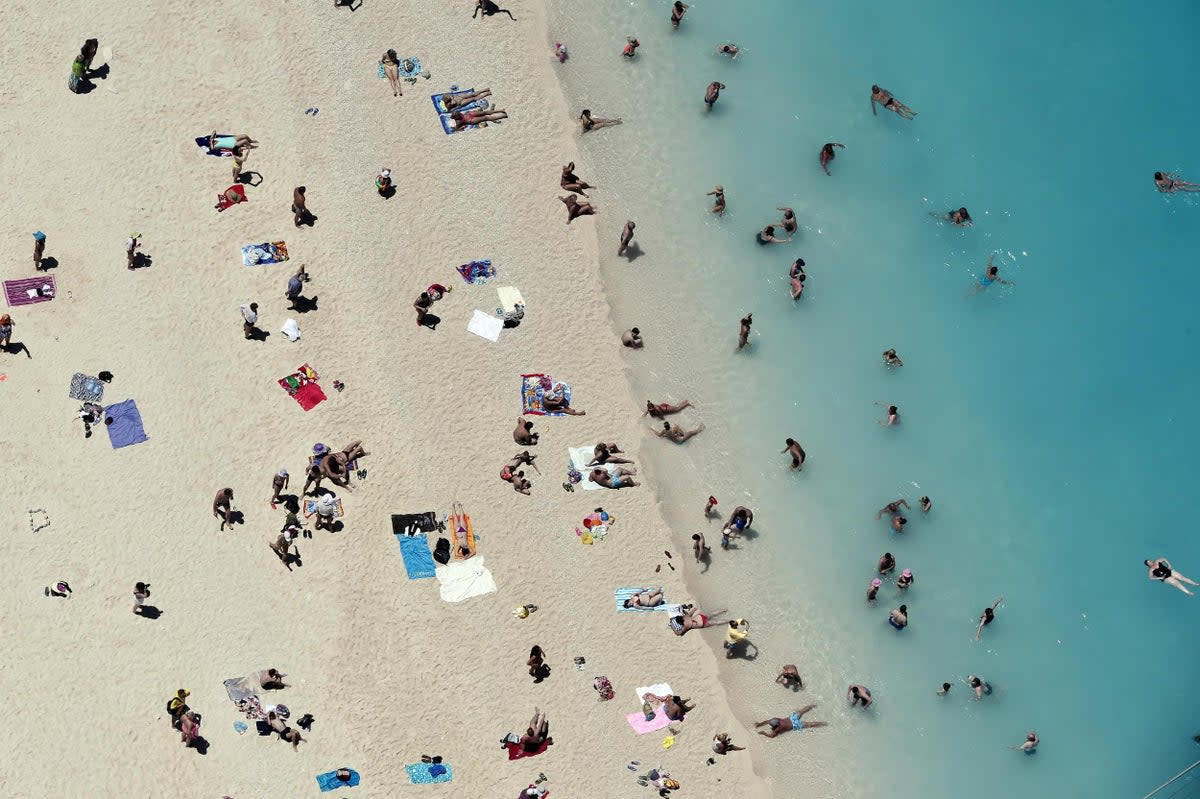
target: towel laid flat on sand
<point>329,781</point>
<point>659,689</point>
<point>239,688</point>
<point>579,457</point>
<point>302,386</point>
<point>202,142</point>
<point>418,560</point>
<point>267,252</point>
<point>463,579</point>
<point>412,523</point>
<point>87,389</point>
<point>485,325</point>
<point>29,290</point>
<point>444,116</point>
<point>516,751</point>
<point>510,298</point>
<point>126,428</point>
<point>621,594</point>
<point>429,773</point>
<point>641,726</point>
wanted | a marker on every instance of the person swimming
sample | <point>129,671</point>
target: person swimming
<point>991,275</point>
<point>979,685</point>
<point>1169,183</point>
<point>729,49</point>
<point>885,98</point>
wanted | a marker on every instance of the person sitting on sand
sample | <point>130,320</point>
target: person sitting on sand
<point>588,122</point>
<point>525,458</point>
<point>488,7</point>
<point>335,470</point>
<point>391,68</point>
<point>676,433</point>
<point>520,484</point>
<point>216,142</point>
<point>571,182</point>
<point>603,454</point>
<point>523,433</point>
<point>538,669</point>
<point>885,99</point>
<point>789,677</point>
<point>722,744</point>
<point>476,116</point>
<point>645,598</point>
<point>676,707</point>
<point>272,679</point>
<point>661,409</point>
<point>556,401</point>
<point>285,732</point>
<point>681,618</point>
<point>620,478</point>
<point>777,726</point>
<point>632,338</point>
<point>576,209</point>
<point>537,733</point>
<point>454,102</point>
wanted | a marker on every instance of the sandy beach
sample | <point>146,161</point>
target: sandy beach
<point>388,670</point>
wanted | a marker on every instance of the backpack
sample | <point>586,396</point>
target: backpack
<point>441,552</point>
<point>604,687</point>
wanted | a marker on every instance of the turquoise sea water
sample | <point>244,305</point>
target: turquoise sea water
<point>1051,421</point>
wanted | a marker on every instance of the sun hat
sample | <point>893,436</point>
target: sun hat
<point>907,573</point>
<point>39,235</point>
<point>876,583</point>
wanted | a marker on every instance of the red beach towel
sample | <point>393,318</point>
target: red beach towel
<point>309,396</point>
<point>516,751</point>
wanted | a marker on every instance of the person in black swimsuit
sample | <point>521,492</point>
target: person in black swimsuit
<point>885,98</point>
<point>489,8</point>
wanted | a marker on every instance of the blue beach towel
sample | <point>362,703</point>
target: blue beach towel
<point>329,781</point>
<point>202,142</point>
<point>418,560</point>
<point>420,773</point>
<point>621,594</point>
<point>444,115</point>
<point>126,428</point>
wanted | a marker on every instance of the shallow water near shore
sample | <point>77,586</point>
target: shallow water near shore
<point>1049,420</point>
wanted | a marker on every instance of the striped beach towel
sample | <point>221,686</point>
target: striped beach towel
<point>29,290</point>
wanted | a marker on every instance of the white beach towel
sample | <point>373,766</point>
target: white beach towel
<point>464,579</point>
<point>510,298</point>
<point>580,457</point>
<point>291,329</point>
<point>660,689</point>
<point>485,326</point>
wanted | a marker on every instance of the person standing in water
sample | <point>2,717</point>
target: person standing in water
<point>1169,183</point>
<point>788,221</point>
<point>926,504</point>
<point>712,93</point>
<point>1030,745</point>
<point>626,237</point>
<point>678,9</point>
<point>987,617</point>
<point>744,330</point>
<point>718,195</point>
<point>892,359</point>
<point>796,451</point>
<point>893,414</point>
<point>631,46</point>
<point>873,589</point>
<point>827,154</point>
<point>885,99</point>
<point>859,694</point>
<point>992,275</point>
<point>730,49</point>
<point>767,236</point>
<point>797,276</point>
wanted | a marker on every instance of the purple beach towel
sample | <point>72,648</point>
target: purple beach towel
<point>126,428</point>
<point>17,291</point>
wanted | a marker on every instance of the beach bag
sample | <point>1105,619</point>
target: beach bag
<point>441,552</point>
<point>604,688</point>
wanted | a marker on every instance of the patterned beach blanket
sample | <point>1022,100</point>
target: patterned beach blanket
<point>477,272</point>
<point>88,389</point>
<point>536,386</point>
<point>269,252</point>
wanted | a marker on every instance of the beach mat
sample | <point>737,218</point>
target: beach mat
<point>579,458</point>
<point>406,523</point>
<point>410,74</point>
<point>267,252</point>
<point>444,115</point>
<point>86,389</point>
<point>418,773</point>
<point>641,726</point>
<point>418,560</point>
<point>329,781</point>
<point>301,385</point>
<point>510,298</point>
<point>476,272</point>
<point>30,290</point>
<point>621,594</point>
<point>202,143</point>
<point>239,688</point>
<point>485,326</point>
<point>126,428</point>
<point>516,751</point>
<point>533,386</point>
<point>460,580</point>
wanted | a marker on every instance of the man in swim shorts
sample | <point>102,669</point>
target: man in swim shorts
<point>778,726</point>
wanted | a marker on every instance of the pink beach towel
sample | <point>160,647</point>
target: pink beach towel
<point>637,720</point>
<point>17,291</point>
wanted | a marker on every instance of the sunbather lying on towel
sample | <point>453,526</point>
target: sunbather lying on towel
<point>618,479</point>
<point>216,142</point>
<point>646,598</point>
<point>456,101</point>
<point>336,467</point>
<point>555,401</point>
<point>464,119</point>
<point>662,409</point>
<point>689,617</point>
<point>603,453</point>
<point>538,732</point>
<point>285,732</point>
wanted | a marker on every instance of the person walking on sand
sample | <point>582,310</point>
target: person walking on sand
<point>422,304</point>
<point>676,433</point>
<point>1161,570</point>
<point>987,617</point>
<point>778,726</point>
<point>223,507</point>
<point>239,160</point>
<point>299,206</point>
<point>718,195</point>
<point>523,433</point>
<point>131,245</point>
<point>796,451</point>
<point>282,545</point>
<point>576,209</point>
<point>712,93</point>
<point>632,338</point>
<point>391,68</point>
<point>572,182</point>
<point>538,669</point>
<point>383,182</point>
<point>295,285</point>
<point>588,122</point>
<point>678,9</point>
<point>141,592</point>
<point>6,328</point>
<point>249,319</point>
<point>626,237</point>
<point>885,99</point>
<point>488,7</point>
<point>278,483</point>
<point>744,330</point>
<point>827,154</point>
<point>39,247</point>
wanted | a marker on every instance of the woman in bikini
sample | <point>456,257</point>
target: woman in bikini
<point>576,209</point>
<point>391,68</point>
<point>476,116</point>
<point>885,98</point>
<point>664,408</point>
<point>1169,183</point>
<point>456,101</point>
<point>571,182</point>
<point>646,598</point>
<point>992,275</point>
<point>588,122</point>
<point>603,454</point>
